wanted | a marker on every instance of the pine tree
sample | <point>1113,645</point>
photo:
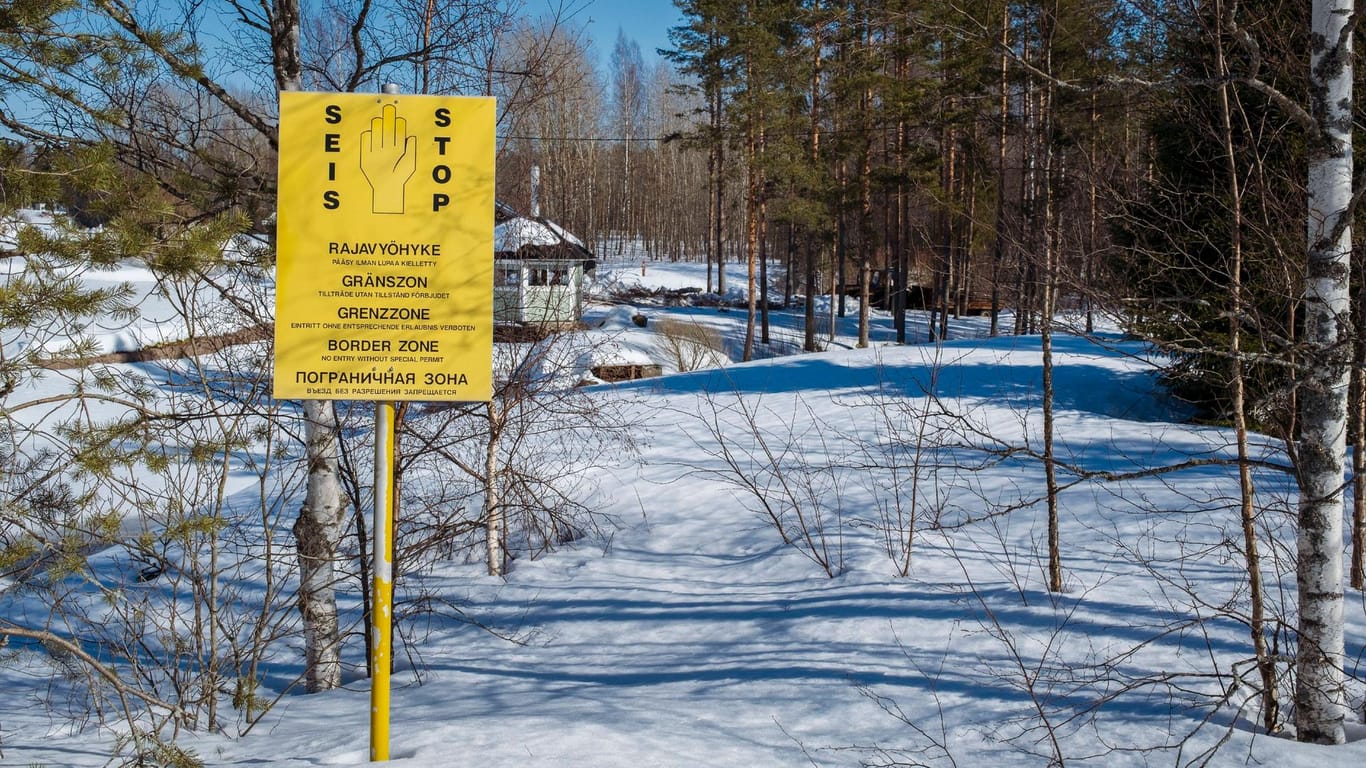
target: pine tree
<point>702,56</point>
<point>1176,237</point>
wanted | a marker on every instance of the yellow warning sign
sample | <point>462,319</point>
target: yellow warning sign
<point>384,278</point>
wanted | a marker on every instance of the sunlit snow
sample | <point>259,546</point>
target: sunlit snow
<point>685,633</point>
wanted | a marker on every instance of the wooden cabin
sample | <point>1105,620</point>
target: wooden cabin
<point>540,272</point>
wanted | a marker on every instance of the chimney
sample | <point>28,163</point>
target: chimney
<point>535,191</point>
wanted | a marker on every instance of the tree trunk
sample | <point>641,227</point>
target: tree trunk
<point>842,235</point>
<point>1092,219</point>
<point>998,248</point>
<point>968,234</point>
<point>1358,406</point>
<point>494,550</point>
<point>751,228</point>
<point>900,247</point>
<point>1252,559</point>
<point>284,43</point>
<point>316,534</point>
<point>836,279</point>
<point>318,528</point>
<point>790,270</point>
<point>719,191</point>
<point>764,331</point>
<point>1050,238</point>
<point>809,311</point>
<point>713,210</point>
<point>1320,696</point>
<point>948,182</point>
<point>865,228</point>
<point>1046,343</point>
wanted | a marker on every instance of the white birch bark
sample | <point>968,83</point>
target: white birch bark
<point>494,549</point>
<point>316,533</point>
<point>1320,699</point>
<point>318,528</point>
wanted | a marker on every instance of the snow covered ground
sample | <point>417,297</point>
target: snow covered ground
<point>688,634</point>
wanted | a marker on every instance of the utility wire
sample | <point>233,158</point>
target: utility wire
<point>591,139</point>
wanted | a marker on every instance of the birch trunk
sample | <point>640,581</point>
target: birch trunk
<point>1266,665</point>
<point>751,234</point>
<point>318,528</point>
<point>998,248</point>
<point>1358,406</point>
<point>316,534</point>
<point>1048,299</point>
<point>1050,240</point>
<point>494,549</point>
<point>1320,697</point>
<point>713,211</point>
<point>943,290</point>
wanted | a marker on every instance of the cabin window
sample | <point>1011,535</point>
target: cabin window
<point>542,276</point>
<point>507,276</point>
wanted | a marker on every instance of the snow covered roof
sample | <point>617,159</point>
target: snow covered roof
<point>527,237</point>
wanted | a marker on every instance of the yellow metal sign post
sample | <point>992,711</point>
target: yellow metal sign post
<point>382,580</point>
<point>384,279</point>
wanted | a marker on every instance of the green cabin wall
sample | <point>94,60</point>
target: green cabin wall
<point>538,304</point>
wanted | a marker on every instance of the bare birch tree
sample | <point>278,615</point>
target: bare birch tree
<point>318,527</point>
<point>1238,384</point>
<point>1320,695</point>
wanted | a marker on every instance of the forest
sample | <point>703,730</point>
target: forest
<point>1180,170</point>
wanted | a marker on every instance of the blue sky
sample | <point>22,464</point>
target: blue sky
<point>645,21</point>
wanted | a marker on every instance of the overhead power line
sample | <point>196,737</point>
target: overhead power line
<point>590,139</point>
